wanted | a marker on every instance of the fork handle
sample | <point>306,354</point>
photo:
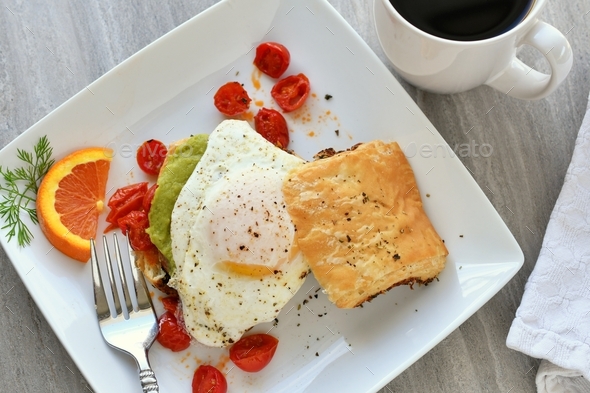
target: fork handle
<point>148,381</point>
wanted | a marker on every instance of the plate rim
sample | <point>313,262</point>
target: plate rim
<point>32,132</point>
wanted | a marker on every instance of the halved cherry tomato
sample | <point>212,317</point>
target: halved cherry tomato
<point>149,197</point>
<point>291,92</point>
<point>231,99</point>
<point>134,202</point>
<point>125,200</point>
<point>272,59</point>
<point>253,353</point>
<point>134,225</point>
<point>151,155</point>
<point>208,379</point>
<point>272,126</point>
<point>124,193</point>
<point>170,334</point>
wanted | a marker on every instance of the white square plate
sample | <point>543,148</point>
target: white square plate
<point>165,91</point>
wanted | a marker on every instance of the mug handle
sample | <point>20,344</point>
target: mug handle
<point>521,81</point>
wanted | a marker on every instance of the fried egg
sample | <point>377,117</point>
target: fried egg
<point>232,238</point>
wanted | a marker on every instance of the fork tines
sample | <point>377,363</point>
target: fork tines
<point>101,288</point>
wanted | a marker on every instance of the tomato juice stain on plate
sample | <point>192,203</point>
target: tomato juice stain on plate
<point>186,356</point>
<point>249,116</point>
<point>196,361</point>
<point>222,363</point>
<point>311,134</point>
<point>301,115</point>
<point>259,103</point>
<point>256,73</point>
<point>327,118</point>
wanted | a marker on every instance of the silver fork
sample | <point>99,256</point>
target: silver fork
<point>133,335</point>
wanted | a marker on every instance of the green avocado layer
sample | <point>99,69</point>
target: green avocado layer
<point>179,166</point>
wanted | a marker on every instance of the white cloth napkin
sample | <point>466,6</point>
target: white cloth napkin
<point>555,379</point>
<point>553,320</point>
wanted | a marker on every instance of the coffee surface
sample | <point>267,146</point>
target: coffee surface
<point>463,20</point>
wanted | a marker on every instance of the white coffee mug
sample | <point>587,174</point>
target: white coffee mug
<point>444,66</point>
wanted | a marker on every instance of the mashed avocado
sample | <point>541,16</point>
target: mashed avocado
<point>178,167</point>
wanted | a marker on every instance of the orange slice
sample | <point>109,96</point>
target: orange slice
<point>70,199</point>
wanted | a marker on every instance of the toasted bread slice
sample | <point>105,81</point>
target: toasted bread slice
<point>150,264</point>
<point>360,223</point>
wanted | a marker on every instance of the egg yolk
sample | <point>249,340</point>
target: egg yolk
<point>246,270</point>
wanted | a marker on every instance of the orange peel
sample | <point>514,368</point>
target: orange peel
<point>70,199</point>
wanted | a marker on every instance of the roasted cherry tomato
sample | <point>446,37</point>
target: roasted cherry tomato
<point>208,379</point>
<point>124,193</point>
<point>133,203</point>
<point>170,334</point>
<point>151,155</point>
<point>171,304</point>
<point>124,201</point>
<point>134,225</point>
<point>272,59</point>
<point>149,197</point>
<point>291,92</point>
<point>231,99</point>
<point>272,126</point>
<point>253,353</point>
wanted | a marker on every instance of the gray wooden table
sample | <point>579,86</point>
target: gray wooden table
<point>50,50</point>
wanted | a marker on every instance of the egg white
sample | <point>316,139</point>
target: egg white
<point>232,238</point>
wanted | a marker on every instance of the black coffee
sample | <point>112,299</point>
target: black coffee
<point>463,20</point>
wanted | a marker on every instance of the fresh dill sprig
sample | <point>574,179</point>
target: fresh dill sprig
<point>19,190</point>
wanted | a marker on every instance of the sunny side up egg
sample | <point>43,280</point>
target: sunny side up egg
<point>232,238</point>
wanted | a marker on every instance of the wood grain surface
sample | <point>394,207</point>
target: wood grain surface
<point>50,50</point>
